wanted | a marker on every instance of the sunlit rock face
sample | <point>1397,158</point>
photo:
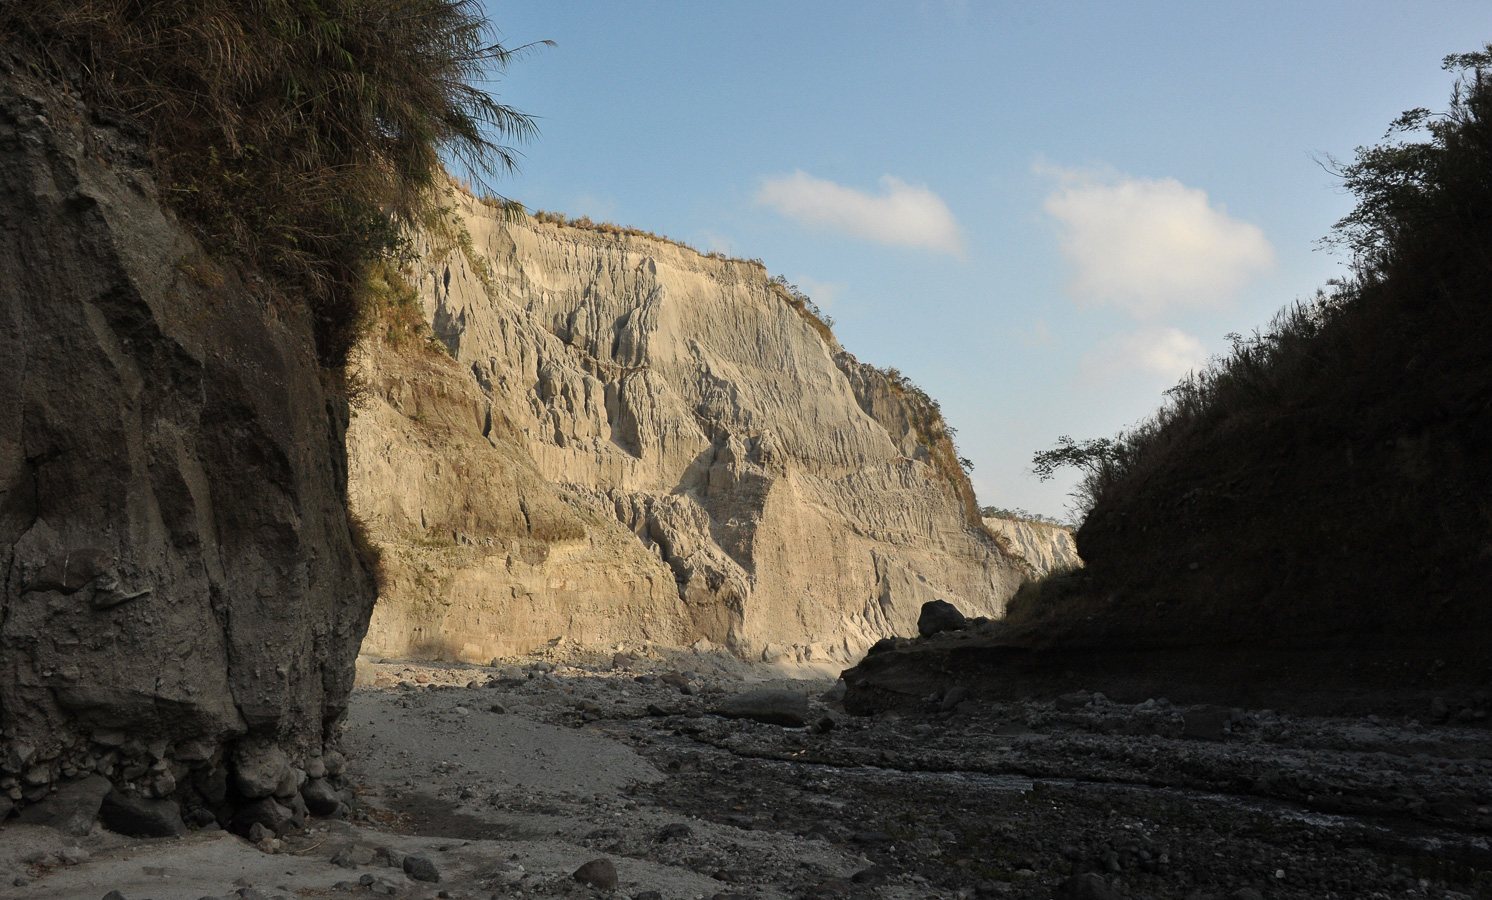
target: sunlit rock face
<point>624,441</point>
<point>1043,547</point>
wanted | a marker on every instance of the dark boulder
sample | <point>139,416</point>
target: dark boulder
<point>139,817</point>
<point>774,707</point>
<point>938,616</point>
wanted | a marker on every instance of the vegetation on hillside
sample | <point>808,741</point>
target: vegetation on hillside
<point>296,135</point>
<point>934,433</point>
<point>1016,514</point>
<point>1420,243</point>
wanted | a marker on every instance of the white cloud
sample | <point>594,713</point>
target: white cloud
<point>901,214</point>
<point>1162,350</point>
<point>1038,335</point>
<point>1151,246</point>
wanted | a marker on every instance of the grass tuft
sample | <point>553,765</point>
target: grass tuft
<point>296,135</point>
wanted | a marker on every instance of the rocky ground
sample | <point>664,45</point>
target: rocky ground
<point>506,781</point>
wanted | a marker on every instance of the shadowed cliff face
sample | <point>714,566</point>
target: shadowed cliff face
<point>630,442</point>
<point>178,574</point>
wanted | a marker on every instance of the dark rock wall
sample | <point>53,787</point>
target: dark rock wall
<point>178,574</point>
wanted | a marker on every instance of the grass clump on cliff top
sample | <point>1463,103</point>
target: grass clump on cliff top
<point>297,135</point>
<point>1419,240</point>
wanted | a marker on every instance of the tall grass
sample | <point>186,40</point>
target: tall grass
<point>1420,239</point>
<point>298,135</point>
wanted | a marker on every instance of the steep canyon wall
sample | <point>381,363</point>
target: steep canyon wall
<point>180,593</point>
<point>622,441</point>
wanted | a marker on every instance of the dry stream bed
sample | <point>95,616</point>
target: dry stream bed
<point>509,779</point>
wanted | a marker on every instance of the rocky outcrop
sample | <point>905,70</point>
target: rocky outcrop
<point>620,440</point>
<point>180,589</point>
<point>1043,547</point>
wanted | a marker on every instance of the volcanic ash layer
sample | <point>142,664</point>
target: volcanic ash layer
<point>621,441</point>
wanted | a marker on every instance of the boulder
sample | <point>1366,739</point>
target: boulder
<point>70,808</point>
<point>774,707</point>
<point>320,796</point>
<point>598,873</point>
<point>261,770</point>
<point>266,812</point>
<point>136,816</point>
<point>938,616</point>
<point>421,868</point>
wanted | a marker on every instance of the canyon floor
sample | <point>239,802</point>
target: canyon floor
<point>506,780</point>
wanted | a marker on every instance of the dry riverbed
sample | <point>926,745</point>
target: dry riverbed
<point>505,781</point>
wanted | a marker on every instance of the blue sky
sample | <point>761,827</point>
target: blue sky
<point>1042,213</point>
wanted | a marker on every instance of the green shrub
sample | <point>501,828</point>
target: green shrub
<point>298,135</point>
<point>1418,237</point>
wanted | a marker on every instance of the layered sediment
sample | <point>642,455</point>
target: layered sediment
<point>619,440</point>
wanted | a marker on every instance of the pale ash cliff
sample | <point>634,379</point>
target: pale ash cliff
<point>1044,547</point>
<point>629,442</point>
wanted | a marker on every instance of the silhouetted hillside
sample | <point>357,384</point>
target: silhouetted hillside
<point>1325,492</point>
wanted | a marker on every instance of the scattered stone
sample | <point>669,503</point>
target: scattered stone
<point>938,616</point>
<point>955,695</point>
<point>870,877</point>
<point>139,817</point>
<point>266,812</point>
<point>1087,886</point>
<point>923,729</point>
<point>1247,893</point>
<point>354,856</point>
<point>774,707</point>
<point>421,868</point>
<point>1206,724</point>
<point>499,709</point>
<point>598,873</point>
<point>115,895</point>
<point>835,694</point>
<point>70,808</point>
<point>675,831</point>
<point>1073,701</point>
<point>647,895</point>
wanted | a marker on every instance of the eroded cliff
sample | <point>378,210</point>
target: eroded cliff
<point>623,441</point>
<point>182,602</point>
<point>1045,548</point>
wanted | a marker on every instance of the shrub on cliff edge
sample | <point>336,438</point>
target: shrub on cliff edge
<point>295,134</point>
<point>1419,240</point>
